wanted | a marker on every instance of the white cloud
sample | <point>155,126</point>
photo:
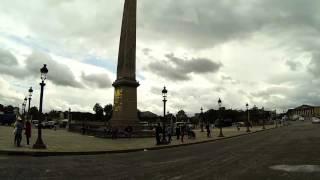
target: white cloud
<point>260,45</point>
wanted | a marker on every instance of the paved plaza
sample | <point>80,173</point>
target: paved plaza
<point>245,157</point>
<point>64,141</point>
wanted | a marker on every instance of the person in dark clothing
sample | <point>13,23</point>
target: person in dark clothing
<point>158,131</point>
<point>83,128</point>
<point>114,133</point>
<point>169,133</point>
<point>178,132</point>
<point>28,131</point>
<point>128,131</point>
<point>208,130</point>
<point>18,132</point>
<point>183,131</point>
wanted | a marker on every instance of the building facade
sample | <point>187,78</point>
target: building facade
<point>304,111</point>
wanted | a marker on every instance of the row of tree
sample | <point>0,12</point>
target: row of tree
<point>7,109</point>
<point>104,114</point>
<point>256,116</point>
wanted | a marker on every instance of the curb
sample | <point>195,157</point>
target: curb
<point>61,153</point>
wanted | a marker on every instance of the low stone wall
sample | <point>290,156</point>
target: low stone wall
<point>100,131</point>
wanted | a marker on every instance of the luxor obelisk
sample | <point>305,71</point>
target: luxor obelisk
<point>125,96</point>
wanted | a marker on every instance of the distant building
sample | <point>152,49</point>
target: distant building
<point>304,111</point>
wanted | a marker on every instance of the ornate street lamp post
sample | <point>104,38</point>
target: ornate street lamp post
<point>24,104</point>
<point>69,119</point>
<point>39,143</point>
<point>248,117</point>
<point>164,94</point>
<point>220,118</point>
<point>30,95</point>
<point>276,118</point>
<point>201,119</point>
<point>263,120</point>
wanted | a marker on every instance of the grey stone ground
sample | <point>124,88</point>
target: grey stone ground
<point>64,141</point>
<point>245,157</point>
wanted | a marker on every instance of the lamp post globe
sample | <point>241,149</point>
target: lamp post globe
<point>39,143</point>
<point>164,95</point>
<point>220,118</point>
<point>219,103</point>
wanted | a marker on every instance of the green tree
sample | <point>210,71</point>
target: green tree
<point>1,107</point>
<point>182,116</point>
<point>108,111</point>
<point>53,114</point>
<point>9,109</point>
<point>98,109</point>
<point>34,113</point>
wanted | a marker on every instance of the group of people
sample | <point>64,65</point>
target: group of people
<point>19,126</point>
<point>164,135</point>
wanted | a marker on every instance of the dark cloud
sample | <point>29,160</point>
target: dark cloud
<point>59,74</point>
<point>314,65</point>
<point>7,59</point>
<point>271,91</point>
<point>206,23</point>
<point>226,78</point>
<point>146,51</point>
<point>293,65</point>
<point>97,80</point>
<point>179,69</point>
<point>9,65</point>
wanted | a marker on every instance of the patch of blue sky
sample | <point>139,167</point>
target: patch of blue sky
<point>35,44</point>
<point>140,77</point>
<point>101,62</point>
<point>28,41</point>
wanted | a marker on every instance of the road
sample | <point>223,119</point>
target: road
<point>246,157</point>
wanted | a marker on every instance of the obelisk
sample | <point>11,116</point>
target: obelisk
<point>125,96</point>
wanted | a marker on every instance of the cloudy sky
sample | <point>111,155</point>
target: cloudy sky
<point>264,52</point>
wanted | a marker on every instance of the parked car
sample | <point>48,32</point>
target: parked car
<point>49,124</point>
<point>7,119</point>
<point>315,120</point>
<point>34,122</point>
<point>63,123</point>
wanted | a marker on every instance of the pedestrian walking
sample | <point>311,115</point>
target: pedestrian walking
<point>208,130</point>
<point>178,132</point>
<point>183,131</point>
<point>169,133</point>
<point>55,126</point>
<point>83,128</point>
<point>115,132</point>
<point>18,132</point>
<point>28,131</point>
<point>158,131</point>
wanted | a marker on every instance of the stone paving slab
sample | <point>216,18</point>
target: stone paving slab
<point>64,142</point>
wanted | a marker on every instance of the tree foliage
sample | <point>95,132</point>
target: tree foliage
<point>98,109</point>
<point>108,111</point>
<point>182,116</point>
<point>34,113</point>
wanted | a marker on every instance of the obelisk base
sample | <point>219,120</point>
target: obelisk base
<point>125,113</point>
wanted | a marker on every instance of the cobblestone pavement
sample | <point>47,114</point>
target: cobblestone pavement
<point>245,157</point>
<point>64,141</point>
